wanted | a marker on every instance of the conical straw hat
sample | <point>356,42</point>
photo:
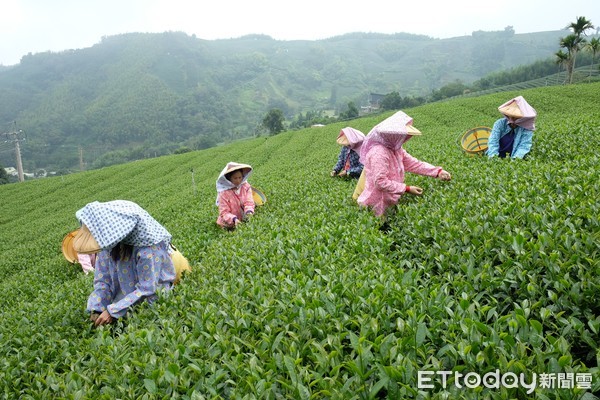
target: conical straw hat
<point>411,130</point>
<point>342,140</point>
<point>67,247</point>
<point>231,167</point>
<point>511,110</point>
<point>84,242</point>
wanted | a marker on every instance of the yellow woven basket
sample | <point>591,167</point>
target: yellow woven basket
<point>475,140</point>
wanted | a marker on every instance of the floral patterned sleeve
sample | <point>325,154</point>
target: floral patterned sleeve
<point>103,286</point>
<point>341,160</point>
<point>145,265</point>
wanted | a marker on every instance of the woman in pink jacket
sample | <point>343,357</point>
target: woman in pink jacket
<point>386,162</point>
<point>234,195</point>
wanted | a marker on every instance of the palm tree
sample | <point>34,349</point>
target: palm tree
<point>571,43</point>
<point>580,26</point>
<point>562,60</point>
<point>593,46</point>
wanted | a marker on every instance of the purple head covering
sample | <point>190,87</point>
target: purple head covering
<point>528,113</point>
<point>391,133</point>
<point>354,136</point>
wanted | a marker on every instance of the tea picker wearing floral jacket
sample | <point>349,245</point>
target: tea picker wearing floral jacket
<point>134,260</point>
<point>348,163</point>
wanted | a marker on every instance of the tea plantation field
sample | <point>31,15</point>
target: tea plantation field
<point>497,271</point>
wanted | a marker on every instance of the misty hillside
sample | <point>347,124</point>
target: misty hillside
<point>140,95</point>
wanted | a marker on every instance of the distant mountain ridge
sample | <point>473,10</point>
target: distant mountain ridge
<point>140,95</point>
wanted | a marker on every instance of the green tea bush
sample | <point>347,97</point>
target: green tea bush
<point>497,269</point>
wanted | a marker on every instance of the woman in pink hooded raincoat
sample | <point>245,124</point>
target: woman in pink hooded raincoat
<point>234,195</point>
<point>386,163</point>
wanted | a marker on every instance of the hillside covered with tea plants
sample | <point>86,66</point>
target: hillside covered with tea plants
<point>498,269</point>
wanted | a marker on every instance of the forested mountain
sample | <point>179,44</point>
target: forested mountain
<point>140,95</point>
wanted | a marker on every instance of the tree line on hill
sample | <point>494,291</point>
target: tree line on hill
<point>140,95</point>
<point>572,45</point>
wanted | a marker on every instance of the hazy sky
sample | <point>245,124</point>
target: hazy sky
<point>33,26</point>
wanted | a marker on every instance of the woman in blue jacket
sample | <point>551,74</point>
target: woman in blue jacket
<point>512,135</point>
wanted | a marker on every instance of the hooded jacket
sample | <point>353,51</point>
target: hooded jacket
<point>234,201</point>
<point>386,162</point>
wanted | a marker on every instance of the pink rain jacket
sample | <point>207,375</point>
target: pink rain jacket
<point>384,182</point>
<point>386,162</point>
<point>234,203</point>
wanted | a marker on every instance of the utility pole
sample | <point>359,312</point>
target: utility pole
<point>16,139</point>
<point>80,158</point>
<point>19,163</point>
